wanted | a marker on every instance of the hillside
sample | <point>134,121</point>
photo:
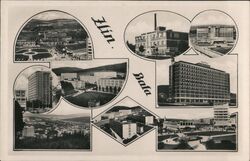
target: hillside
<point>122,67</point>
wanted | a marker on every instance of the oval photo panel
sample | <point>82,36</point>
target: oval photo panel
<point>37,89</point>
<point>53,36</point>
<point>213,33</point>
<point>158,35</point>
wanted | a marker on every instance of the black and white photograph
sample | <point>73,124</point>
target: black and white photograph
<point>37,89</point>
<point>213,33</point>
<point>213,129</point>
<point>192,80</point>
<point>93,83</point>
<point>64,128</point>
<point>124,80</point>
<point>158,35</point>
<point>53,36</point>
<point>126,121</point>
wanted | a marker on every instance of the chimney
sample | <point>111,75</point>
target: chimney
<point>155,19</point>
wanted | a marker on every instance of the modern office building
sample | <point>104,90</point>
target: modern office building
<point>212,34</point>
<point>40,88</point>
<point>198,84</point>
<point>110,85</point>
<point>221,115</point>
<point>161,42</point>
<point>21,97</point>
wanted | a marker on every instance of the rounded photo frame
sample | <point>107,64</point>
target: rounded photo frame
<point>149,36</point>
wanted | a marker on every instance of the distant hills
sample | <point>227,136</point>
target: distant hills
<point>122,67</point>
<point>72,117</point>
<point>117,108</point>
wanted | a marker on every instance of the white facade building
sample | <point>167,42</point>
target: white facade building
<point>221,115</point>
<point>129,130</point>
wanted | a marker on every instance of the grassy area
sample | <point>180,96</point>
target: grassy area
<point>163,137</point>
<point>224,145</point>
<point>84,98</point>
<point>210,133</point>
<point>222,50</point>
<point>42,55</point>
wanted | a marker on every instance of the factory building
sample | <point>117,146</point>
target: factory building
<point>161,42</point>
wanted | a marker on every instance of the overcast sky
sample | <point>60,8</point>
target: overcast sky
<point>51,15</point>
<point>212,17</point>
<point>145,23</point>
<point>227,63</point>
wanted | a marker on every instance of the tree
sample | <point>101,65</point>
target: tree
<point>141,48</point>
<point>19,124</point>
<point>131,46</point>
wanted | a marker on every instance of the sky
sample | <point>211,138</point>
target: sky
<point>51,15</point>
<point>22,79</point>
<point>212,17</point>
<point>145,23</point>
<point>226,63</point>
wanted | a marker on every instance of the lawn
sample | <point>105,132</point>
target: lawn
<point>222,50</point>
<point>210,133</point>
<point>84,98</point>
<point>42,56</point>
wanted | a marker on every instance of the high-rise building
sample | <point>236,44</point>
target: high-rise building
<point>221,115</point>
<point>198,83</point>
<point>161,42</point>
<point>40,88</point>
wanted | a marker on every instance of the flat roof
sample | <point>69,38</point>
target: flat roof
<point>199,65</point>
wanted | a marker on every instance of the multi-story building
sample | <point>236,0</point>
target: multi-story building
<point>212,34</point>
<point>178,124</point>
<point>233,119</point>
<point>198,84</point>
<point>40,88</point>
<point>28,131</point>
<point>93,77</point>
<point>110,85</point>
<point>161,42</point>
<point>125,130</point>
<point>89,48</point>
<point>21,97</point>
<point>221,115</point>
<point>68,76</point>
